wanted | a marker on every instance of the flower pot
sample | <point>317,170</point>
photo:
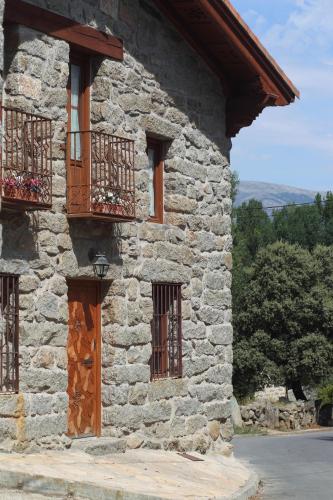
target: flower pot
<point>33,196</point>
<point>20,194</point>
<point>108,208</point>
<point>10,191</point>
<point>117,209</point>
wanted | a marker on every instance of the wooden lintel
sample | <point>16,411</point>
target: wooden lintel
<point>84,37</point>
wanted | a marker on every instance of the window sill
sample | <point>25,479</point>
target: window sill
<point>174,377</point>
<point>155,220</point>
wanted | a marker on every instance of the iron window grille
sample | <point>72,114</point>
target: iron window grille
<point>9,311</point>
<point>166,358</point>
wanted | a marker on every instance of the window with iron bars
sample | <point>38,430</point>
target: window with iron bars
<point>166,358</point>
<point>9,364</point>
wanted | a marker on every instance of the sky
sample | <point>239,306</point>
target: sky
<point>292,145</point>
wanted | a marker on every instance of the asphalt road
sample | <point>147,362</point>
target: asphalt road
<point>298,466</point>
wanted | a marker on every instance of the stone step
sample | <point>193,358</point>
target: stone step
<point>135,475</point>
<point>99,446</point>
<point>6,494</point>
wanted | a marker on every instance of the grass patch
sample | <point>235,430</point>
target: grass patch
<point>246,400</point>
<point>249,430</point>
<point>283,404</point>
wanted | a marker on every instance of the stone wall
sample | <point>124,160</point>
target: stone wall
<point>163,88</point>
<point>283,416</point>
<point>2,8</point>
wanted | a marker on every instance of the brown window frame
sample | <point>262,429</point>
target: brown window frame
<point>9,333</point>
<point>83,61</point>
<point>158,147</point>
<point>166,360</point>
<point>78,166</point>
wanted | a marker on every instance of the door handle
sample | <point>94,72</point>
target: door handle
<point>87,362</point>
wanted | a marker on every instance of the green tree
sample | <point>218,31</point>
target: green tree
<point>252,230</point>
<point>327,214</point>
<point>284,326</point>
<point>234,185</point>
<point>254,364</point>
<point>307,225</point>
<point>299,224</point>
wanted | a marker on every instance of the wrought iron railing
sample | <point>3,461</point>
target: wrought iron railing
<point>166,360</point>
<point>100,176</point>
<point>9,331</point>
<point>26,159</point>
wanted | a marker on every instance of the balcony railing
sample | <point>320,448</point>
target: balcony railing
<point>100,176</point>
<point>26,160</point>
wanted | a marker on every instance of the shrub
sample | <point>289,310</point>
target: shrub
<point>325,394</point>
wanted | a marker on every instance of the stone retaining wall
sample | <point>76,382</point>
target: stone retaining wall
<point>283,416</point>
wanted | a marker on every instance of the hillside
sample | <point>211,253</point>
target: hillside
<point>272,194</point>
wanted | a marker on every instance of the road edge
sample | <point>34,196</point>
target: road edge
<point>249,489</point>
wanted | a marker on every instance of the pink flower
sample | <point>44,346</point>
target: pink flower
<point>10,182</point>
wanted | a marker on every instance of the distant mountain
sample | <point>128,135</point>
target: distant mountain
<point>273,194</point>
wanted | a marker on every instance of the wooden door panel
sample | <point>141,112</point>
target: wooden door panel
<point>78,182</point>
<point>78,148</point>
<point>83,350</point>
<point>79,175</point>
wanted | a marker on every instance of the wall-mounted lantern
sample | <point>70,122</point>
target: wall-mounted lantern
<point>101,265</point>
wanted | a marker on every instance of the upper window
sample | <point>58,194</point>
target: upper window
<point>155,180</point>
<point>78,102</point>
<point>8,333</point>
<point>166,358</point>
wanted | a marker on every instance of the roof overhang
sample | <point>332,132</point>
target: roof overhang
<point>251,78</point>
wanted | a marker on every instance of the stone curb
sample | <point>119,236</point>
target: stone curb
<point>248,490</point>
<point>63,488</point>
<point>273,433</point>
<point>276,433</point>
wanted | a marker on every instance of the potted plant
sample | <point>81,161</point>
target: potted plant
<point>108,202</point>
<point>33,188</point>
<point>10,187</point>
<point>22,187</point>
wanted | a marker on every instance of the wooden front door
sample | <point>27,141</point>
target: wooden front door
<point>84,360</point>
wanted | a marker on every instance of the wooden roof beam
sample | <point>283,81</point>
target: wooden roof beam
<point>83,37</point>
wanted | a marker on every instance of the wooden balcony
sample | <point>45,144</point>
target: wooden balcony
<point>100,176</point>
<point>26,161</point>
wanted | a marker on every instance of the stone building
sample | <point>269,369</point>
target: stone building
<point>116,124</point>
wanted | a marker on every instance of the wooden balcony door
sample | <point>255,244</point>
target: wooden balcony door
<point>78,144</point>
<point>84,358</point>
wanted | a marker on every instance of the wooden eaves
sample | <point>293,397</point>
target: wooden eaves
<point>252,80</point>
